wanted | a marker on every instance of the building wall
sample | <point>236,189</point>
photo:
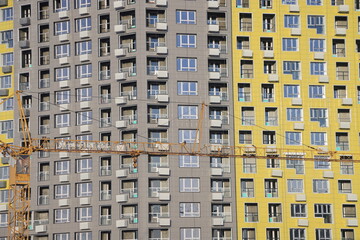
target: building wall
<point>6,114</point>
<point>261,172</point>
<point>43,165</point>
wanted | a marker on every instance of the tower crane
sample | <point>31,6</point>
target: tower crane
<point>19,177</point>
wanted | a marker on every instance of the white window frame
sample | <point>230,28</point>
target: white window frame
<point>62,191</point>
<point>62,74</point>
<point>3,219</point>
<point>190,234</point>
<point>84,214</point>
<point>187,88</point>
<point>7,59</point>
<point>294,114</point>
<point>321,186</point>
<point>189,209</point>
<point>62,97</point>
<point>62,167</point>
<point>292,68</point>
<point>293,138</point>
<point>189,184</point>
<point>62,27</point>
<point>291,21</point>
<point>84,47</point>
<point>84,118</point>
<point>186,64</point>
<point>62,50</point>
<point>84,94</point>
<point>187,112</point>
<point>83,236</point>
<point>187,161</point>
<point>186,40</point>
<point>84,70</point>
<point>62,120</point>
<point>185,17</point>
<point>316,91</point>
<point>62,215</point>
<point>84,165</point>
<point>83,24</point>
<point>292,91</point>
<point>295,185</point>
<point>62,236</point>
<point>318,138</point>
<point>84,189</point>
<point>318,68</point>
<point>4,196</point>
<point>5,81</point>
<point>317,45</point>
<point>188,136</point>
<point>290,44</point>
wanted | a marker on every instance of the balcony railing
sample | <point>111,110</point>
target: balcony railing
<point>44,106</point>
<point>247,73</point>
<point>223,71</point>
<point>271,121</point>
<point>44,83</point>
<point>105,219</point>
<point>342,75</point>
<point>224,118</point>
<point>105,195</point>
<point>244,97</point>
<point>133,192</point>
<point>44,129</point>
<point>43,14</point>
<point>245,26</point>
<point>133,217</point>
<point>105,98</point>
<point>154,191</point>
<point>222,141</point>
<point>44,176</point>
<point>221,47</point>
<point>104,75</point>
<point>153,93</point>
<point>151,21</point>
<point>24,86</point>
<point>131,94</point>
<point>153,167</point>
<point>249,168</point>
<point>223,95</point>
<point>268,98</point>
<point>130,23</point>
<point>43,200</point>
<point>105,122</point>
<point>275,217</point>
<point>152,46</point>
<point>153,70</point>
<point>342,146</point>
<point>153,118</point>
<point>251,217</point>
<point>131,71</point>
<point>247,192</point>
<point>131,119</point>
<point>105,170</point>
<point>271,192</point>
<point>248,121</point>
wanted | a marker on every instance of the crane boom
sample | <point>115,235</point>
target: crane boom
<point>19,204</point>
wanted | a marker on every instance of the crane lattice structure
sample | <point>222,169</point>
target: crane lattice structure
<point>19,178</point>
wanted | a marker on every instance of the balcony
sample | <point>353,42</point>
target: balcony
<point>44,106</point>
<point>275,217</point>
<point>158,71</point>
<point>125,24</point>
<point>271,121</point>
<point>104,75</point>
<point>215,120</point>
<point>105,220</point>
<point>105,98</point>
<point>247,192</point>
<point>43,199</point>
<point>105,195</point>
<point>125,72</point>
<point>156,191</point>
<point>105,170</point>
<point>44,129</point>
<point>271,192</point>
<point>251,217</point>
<point>44,176</point>
<point>130,192</point>
<point>215,73</point>
<point>160,119</point>
<point>342,146</point>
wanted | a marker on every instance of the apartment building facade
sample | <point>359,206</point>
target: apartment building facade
<point>296,72</point>
<point>6,109</point>
<point>132,71</point>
